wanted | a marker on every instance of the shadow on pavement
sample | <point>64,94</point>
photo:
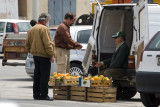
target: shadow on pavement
<point>26,87</point>
<point>134,100</point>
<point>17,79</point>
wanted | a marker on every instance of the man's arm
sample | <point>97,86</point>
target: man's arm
<point>48,43</point>
<point>107,61</point>
<point>27,43</point>
<point>69,40</point>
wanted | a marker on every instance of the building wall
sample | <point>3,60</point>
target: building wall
<point>22,9</point>
<point>83,7</point>
<point>29,10</point>
<point>9,9</point>
<point>26,8</point>
<point>43,8</point>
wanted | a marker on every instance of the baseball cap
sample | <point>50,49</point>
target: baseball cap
<point>119,34</point>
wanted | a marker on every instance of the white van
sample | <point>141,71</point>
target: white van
<point>138,21</point>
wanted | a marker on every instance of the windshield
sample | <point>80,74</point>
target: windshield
<point>52,32</point>
<point>2,25</point>
<point>154,44</point>
<point>23,26</point>
<point>83,36</point>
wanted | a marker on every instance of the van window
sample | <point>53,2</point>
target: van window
<point>83,36</point>
<point>23,26</point>
<point>2,25</point>
<point>154,44</point>
<point>9,27</point>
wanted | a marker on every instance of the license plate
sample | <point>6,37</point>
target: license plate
<point>158,61</point>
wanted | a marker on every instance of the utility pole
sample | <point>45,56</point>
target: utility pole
<point>35,9</point>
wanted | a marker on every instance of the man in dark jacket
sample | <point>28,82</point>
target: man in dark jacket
<point>118,63</point>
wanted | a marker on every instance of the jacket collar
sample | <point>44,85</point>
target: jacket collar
<point>65,24</point>
<point>41,23</point>
<point>119,45</point>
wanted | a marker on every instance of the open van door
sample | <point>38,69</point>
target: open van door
<point>141,29</point>
<point>92,40</point>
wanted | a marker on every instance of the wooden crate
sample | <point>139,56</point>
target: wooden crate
<point>61,92</point>
<point>51,81</point>
<point>67,82</point>
<point>101,94</point>
<point>78,93</point>
<point>99,83</point>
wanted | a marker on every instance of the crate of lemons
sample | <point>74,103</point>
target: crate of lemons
<point>98,81</point>
<point>61,79</point>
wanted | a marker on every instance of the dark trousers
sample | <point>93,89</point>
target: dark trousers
<point>41,76</point>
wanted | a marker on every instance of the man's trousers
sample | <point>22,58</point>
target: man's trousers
<point>63,60</point>
<point>41,76</point>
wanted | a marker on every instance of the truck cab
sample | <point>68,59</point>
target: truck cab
<point>138,21</point>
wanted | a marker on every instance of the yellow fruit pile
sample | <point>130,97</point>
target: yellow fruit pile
<point>99,80</point>
<point>64,76</point>
<point>101,77</point>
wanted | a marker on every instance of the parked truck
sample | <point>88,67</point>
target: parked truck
<point>14,49</point>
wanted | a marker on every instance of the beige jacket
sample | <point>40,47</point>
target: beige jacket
<point>39,42</point>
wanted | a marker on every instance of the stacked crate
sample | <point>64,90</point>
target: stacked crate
<point>51,81</point>
<point>67,82</point>
<point>101,94</point>
<point>99,83</point>
<point>78,93</point>
<point>61,92</point>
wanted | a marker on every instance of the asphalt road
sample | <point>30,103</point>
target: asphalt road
<point>16,87</point>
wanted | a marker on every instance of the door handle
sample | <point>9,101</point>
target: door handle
<point>149,55</point>
<point>1,35</point>
<point>158,56</point>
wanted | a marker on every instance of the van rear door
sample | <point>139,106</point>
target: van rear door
<point>141,29</point>
<point>92,40</point>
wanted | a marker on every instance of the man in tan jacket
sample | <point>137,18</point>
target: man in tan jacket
<point>40,44</point>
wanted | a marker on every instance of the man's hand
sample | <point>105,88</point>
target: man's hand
<point>98,64</point>
<point>52,59</point>
<point>79,47</point>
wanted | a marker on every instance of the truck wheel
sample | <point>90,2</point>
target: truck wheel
<point>76,69</point>
<point>126,92</point>
<point>4,60</point>
<point>149,100</point>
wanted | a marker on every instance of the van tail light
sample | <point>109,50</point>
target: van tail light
<point>15,28</point>
<point>131,62</point>
<point>93,57</point>
<point>141,57</point>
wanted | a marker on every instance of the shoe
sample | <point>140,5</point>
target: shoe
<point>46,98</point>
<point>37,98</point>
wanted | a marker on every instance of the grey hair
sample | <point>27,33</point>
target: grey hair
<point>43,17</point>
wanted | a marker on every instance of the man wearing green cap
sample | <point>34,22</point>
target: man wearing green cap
<point>118,63</point>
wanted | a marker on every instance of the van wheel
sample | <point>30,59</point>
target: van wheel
<point>149,100</point>
<point>126,92</point>
<point>76,69</point>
